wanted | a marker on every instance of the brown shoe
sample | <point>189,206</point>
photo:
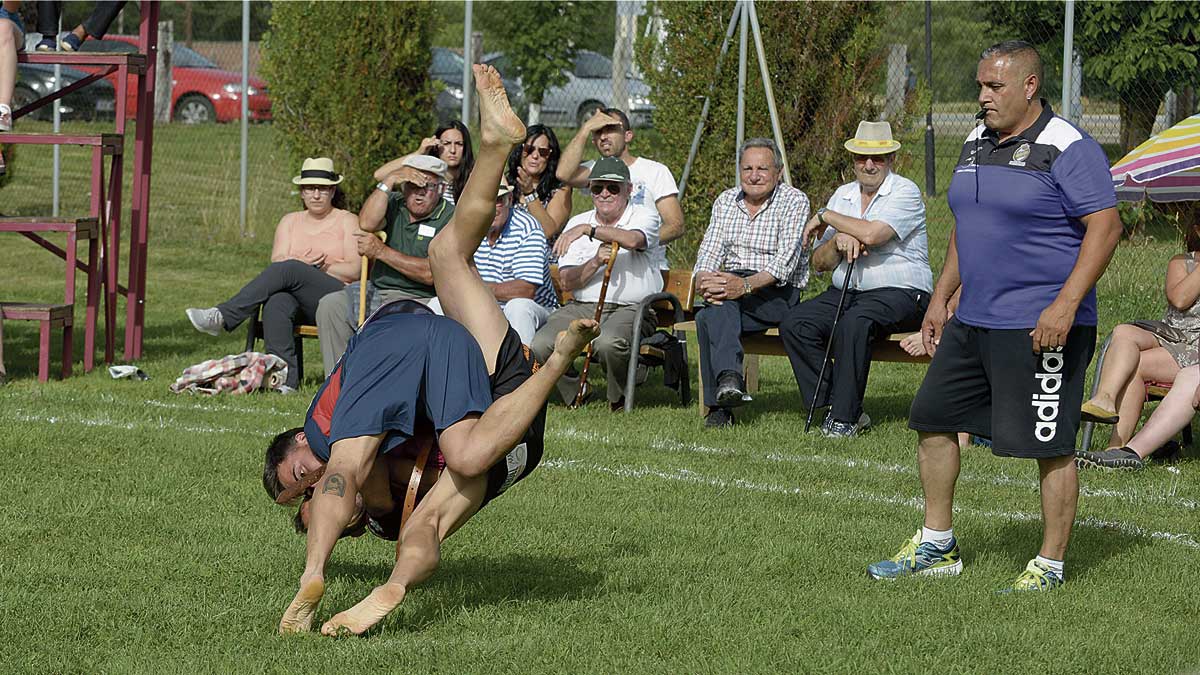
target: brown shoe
<point>1090,412</point>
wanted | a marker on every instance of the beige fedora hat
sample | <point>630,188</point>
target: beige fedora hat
<point>317,171</point>
<point>872,138</point>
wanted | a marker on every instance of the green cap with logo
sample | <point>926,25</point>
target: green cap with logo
<point>610,169</point>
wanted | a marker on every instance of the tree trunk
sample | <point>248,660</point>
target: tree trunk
<point>535,113</point>
<point>1137,118</point>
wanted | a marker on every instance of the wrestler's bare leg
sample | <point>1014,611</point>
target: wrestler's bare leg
<point>333,506</point>
<point>449,504</point>
<point>460,291</point>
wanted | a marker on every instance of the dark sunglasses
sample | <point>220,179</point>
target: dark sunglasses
<point>544,153</point>
<point>612,189</point>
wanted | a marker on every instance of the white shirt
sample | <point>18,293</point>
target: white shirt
<point>651,182</point>
<point>634,274</point>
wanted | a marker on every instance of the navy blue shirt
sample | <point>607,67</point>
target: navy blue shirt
<point>1017,207</point>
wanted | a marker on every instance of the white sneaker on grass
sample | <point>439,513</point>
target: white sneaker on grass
<point>206,320</point>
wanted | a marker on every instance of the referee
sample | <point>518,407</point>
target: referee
<point>1035,226</point>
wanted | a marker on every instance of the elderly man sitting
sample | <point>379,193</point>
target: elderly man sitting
<point>513,261</point>
<point>583,251</point>
<point>408,205</point>
<point>750,271</point>
<point>877,220</point>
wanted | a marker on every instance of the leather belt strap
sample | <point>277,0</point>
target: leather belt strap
<point>414,482</point>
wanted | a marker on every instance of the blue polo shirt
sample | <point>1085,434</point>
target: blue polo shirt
<point>1017,207</point>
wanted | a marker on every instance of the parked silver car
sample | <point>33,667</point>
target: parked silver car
<point>446,68</point>
<point>588,88</point>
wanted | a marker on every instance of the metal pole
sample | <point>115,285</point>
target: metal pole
<point>930,159</point>
<point>766,78</point>
<point>54,184</point>
<point>245,111</point>
<point>741,99</point>
<point>468,59</point>
<point>1068,51</point>
<point>712,87</point>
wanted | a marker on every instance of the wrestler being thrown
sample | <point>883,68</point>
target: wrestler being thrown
<point>464,376</point>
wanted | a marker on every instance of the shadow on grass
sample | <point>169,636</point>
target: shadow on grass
<point>1088,549</point>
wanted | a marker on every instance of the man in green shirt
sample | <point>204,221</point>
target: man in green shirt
<point>411,216</point>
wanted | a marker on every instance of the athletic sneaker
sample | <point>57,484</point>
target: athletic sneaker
<point>206,320</point>
<point>1036,577</point>
<point>1112,458</point>
<point>6,119</point>
<point>919,559</point>
<point>70,42</point>
<point>837,429</point>
<point>47,44</point>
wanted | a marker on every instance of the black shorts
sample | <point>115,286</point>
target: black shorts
<point>514,365</point>
<point>990,383</point>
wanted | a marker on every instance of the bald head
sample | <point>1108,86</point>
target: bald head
<point>1022,57</point>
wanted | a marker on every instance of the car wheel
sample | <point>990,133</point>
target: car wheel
<point>195,109</point>
<point>587,110</point>
<point>23,96</point>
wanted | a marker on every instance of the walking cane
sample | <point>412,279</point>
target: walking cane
<point>828,346</point>
<point>587,355</point>
<point>362,283</point>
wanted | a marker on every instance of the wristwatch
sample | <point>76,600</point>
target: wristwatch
<point>592,234</point>
<point>747,289</point>
<point>529,198</point>
<point>821,215</point>
<point>383,187</point>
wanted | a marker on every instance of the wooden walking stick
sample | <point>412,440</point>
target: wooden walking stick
<point>587,355</point>
<point>362,283</point>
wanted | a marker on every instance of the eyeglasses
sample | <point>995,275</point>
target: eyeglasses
<point>428,187</point>
<point>613,189</point>
<point>544,153</point>
<point>316,188</point>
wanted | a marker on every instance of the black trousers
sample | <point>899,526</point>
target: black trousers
<point>719,330</point>
<point>289,292</point>
<point>96,25</point>
<point>866,316</point>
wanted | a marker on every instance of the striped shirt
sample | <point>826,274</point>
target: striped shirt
<point>899,262</point>
<point>521,253</point>
<point>769,242</point>
<point>448,191</point>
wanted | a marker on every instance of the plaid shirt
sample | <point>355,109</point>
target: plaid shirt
<point>768,242</point>
<point>235,374</point>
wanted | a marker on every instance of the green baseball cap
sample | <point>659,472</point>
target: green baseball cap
<point>610,169</point>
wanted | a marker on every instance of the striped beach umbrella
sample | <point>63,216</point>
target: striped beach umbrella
<point>1166,168</point>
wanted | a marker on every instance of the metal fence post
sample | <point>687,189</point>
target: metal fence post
<point>741,100</point>
<point>1068,51</point>
<point>930,168</point>
<point>468,59</point>
<point>245,111</point>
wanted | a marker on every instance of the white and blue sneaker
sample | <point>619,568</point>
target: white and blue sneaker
<point>916,558</point>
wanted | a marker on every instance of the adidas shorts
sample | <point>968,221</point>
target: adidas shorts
<point>989,382</point>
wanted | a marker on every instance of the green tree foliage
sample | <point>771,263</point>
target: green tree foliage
<point>823,88</point>
<point>349,80</point>
<point>1140,50</point>
<point>596,31</point>
<point>538,39</point>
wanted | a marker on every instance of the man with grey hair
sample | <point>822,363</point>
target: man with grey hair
<point>750,270</point>
<point>408,206</point>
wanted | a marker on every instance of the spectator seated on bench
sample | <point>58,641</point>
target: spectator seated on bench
<point>1173,415</point>
<point>877,222</point>
<point>750,271</point>
<point>1145,351</point>
<point>314,254</point>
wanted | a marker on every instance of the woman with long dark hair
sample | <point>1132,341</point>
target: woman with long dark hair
<point>531,169</point>
<point>452,144</point>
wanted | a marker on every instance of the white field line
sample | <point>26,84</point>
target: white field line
<point>103,420</point>
<point>1001,480</point>
<point>1185,539</point>
<point>151,403</point>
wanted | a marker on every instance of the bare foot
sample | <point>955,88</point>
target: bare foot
<point>299,615</point>
<point>368,612</point>
<point>577,336</point>
<point>498,124</point>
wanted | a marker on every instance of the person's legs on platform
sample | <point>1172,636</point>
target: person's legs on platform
<point>460,290</point>
<point>11,40</point>
<point>526,317</point>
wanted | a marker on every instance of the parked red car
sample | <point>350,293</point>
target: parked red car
<point>200,91</point>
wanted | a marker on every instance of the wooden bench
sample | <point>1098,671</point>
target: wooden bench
<point>49,317</point>
<point>770,344</point>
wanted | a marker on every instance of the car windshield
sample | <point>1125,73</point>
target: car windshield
<point>186,58</point>
<point>591,64</point>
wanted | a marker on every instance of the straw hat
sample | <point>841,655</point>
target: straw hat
<point>317,171</point>
<point>872,138</point>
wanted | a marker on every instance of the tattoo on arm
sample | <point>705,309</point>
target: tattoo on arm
<point>335,484</point>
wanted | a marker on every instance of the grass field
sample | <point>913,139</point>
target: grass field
<point>137,537</point>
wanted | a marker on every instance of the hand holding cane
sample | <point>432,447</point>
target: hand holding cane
<point>587,354</point>
<point>812,406</point>
<point>362,283</point>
